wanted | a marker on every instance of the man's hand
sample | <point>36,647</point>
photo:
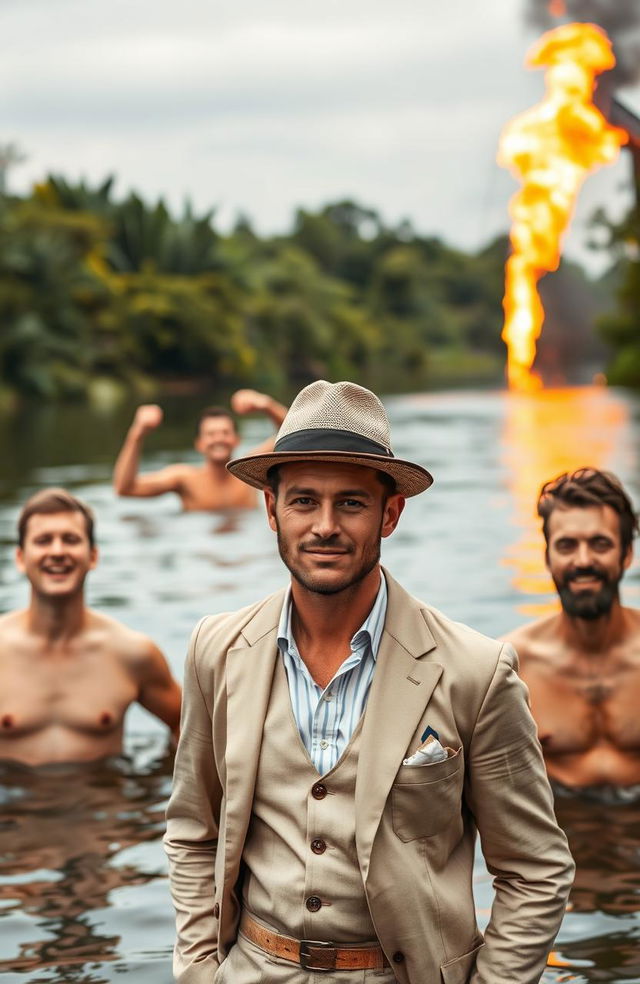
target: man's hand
<point>249,401</point>
<point>147,418</point>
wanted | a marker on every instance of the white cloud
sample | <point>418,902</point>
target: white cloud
<point>262,107</point>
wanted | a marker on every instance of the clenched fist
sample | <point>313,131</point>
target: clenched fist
<point>248,401</point>
<point>147,418</point>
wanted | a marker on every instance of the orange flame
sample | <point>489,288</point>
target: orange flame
<point>557,8</point>
<point>551,149</point>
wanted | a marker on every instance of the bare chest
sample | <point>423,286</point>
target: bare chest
<point>201,492</point>
<point>86,693</point>
<point>576,710</point>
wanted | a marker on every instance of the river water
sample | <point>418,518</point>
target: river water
<point>83,892</point>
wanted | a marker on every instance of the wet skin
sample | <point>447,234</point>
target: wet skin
<point>208,487</point>
<point>583,673</point>
<point>67,673</point>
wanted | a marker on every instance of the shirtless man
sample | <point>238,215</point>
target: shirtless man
<point>67,673</point>
<point>582,666</point>
<point>201,487</point>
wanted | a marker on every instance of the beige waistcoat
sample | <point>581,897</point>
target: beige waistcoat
<point>282,868</point>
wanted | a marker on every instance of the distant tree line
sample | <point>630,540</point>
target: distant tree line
<point>98,290</point>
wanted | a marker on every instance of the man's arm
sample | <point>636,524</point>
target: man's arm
<point>251,401</point>
<point>159,692</point>
<point>191,839</point>
<point>126,480</point>
<point>523,846</point>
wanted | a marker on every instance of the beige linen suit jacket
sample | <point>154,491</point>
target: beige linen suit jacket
<point>415,827</point>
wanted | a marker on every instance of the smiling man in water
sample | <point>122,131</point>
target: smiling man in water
<point>206,487</point>
<point>582,665</point>
<point>68,673</point>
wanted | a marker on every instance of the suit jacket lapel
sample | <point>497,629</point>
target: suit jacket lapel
<point>401,688</point>
<point>249,675</point>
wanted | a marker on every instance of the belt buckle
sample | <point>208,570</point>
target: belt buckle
<point>306,956</point>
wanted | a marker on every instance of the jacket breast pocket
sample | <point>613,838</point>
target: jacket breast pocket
<point>425,799</point>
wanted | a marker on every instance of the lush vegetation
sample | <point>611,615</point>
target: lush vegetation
<point>100,294</point>
<point>97,292</point>
<point>621,329</point>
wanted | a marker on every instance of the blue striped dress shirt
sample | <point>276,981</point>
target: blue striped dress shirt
<point>327,718</point>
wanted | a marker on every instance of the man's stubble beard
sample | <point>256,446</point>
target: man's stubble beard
<point>370,559</point>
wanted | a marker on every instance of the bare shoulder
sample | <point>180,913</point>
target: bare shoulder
<point>631,642</point>
<point>632,620</point>
<point>12,628</point>
<point>135,649</point>
<point>182,468</point>
<point>179,473</point>
<point>189,474</point>
<point>534,641</point>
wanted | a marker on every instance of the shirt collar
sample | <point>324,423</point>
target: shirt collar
<point>370,632</point>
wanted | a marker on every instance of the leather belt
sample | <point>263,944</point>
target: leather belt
<point>313,954</point>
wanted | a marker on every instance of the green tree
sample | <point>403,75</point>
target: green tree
<point>621,329</point>
<point>50,301</point>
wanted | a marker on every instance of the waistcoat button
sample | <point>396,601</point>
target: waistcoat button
<point>216,910</point>
<point>398,957</point>
<point>319,791</point>
<point>318,846</point>
<point>313,903</point>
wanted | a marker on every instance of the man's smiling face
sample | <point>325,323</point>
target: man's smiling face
<point>329,519</point>
<point>217,439</point>
<point>56,555</point>
<point>584,557</point>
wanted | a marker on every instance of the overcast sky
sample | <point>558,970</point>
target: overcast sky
<point>258,106</point>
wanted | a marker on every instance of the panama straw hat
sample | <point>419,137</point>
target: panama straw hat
<point>339,422</point>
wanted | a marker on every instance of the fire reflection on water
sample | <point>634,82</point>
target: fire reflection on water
<point>544,434</point>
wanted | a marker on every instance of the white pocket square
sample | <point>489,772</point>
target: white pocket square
<point>429,752</point>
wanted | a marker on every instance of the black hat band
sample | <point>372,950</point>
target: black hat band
<point>329,439</point>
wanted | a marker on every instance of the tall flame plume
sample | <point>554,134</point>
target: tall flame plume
<point>550,149</point>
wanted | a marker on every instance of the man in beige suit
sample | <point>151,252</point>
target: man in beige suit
<point>341,744</point>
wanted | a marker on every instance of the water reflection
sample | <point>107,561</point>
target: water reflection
<point>72,838</point>
<point>544,434</point>
<point>83,896</point>
<point>605,843</point>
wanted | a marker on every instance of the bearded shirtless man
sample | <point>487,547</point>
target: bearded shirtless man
<point>582,666</point>
<point>206,487</point>
<point>67,673</point>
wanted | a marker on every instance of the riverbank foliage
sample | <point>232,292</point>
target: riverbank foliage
<point>98,290</point>
<point>621,328</point>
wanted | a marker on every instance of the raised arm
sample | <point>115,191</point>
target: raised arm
<point>251,401</point>
<point>523,846</point>
<point>126,480</point>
